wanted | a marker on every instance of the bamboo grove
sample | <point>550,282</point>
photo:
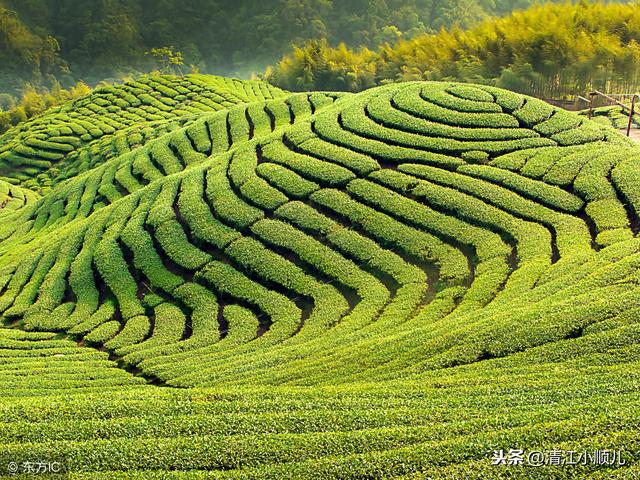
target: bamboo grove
<point>548,51</point>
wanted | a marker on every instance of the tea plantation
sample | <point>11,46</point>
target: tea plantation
<point>208,278</point>
<point>614,117</point>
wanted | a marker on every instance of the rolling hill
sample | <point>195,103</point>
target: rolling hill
<point>208,278</point>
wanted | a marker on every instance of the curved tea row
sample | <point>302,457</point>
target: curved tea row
<point>317,239</point>
<point>392,284</point>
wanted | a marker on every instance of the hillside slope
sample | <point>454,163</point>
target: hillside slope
<point>386,284</point>
<point>64,142</point>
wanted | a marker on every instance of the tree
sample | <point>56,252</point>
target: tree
<point>549,51</point>
<point>169,59</point>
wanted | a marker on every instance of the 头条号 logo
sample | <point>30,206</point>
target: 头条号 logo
<point>558,458</point>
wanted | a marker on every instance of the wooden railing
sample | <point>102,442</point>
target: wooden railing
<point>611,98</point>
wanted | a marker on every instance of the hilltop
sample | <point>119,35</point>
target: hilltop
<point>113,120</point>
<point>208,278</point>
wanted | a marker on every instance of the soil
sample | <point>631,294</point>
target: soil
<point>634,135</point>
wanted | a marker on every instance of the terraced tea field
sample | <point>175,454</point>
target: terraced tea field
<point>207,278</point>
<point>614,117</point>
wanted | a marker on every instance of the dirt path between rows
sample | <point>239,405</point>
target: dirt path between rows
<point>635,134</point>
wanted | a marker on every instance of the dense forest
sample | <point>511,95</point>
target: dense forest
<point>48,50</point>
<point>548,50</point>
<point>94,40</point>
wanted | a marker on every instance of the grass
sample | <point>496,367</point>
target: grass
<point>391,284</point>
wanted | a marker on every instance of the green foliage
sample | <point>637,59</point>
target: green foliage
<point>390,284</point>
<point>136,329</point>
<point>104,332</point>
<point>33,102</point>
<point>26,57</point>
<point>614,117</point>
<point>547,51</point>
<point>114,120</point>
<point>81,39</point>
<point>168,58</point>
